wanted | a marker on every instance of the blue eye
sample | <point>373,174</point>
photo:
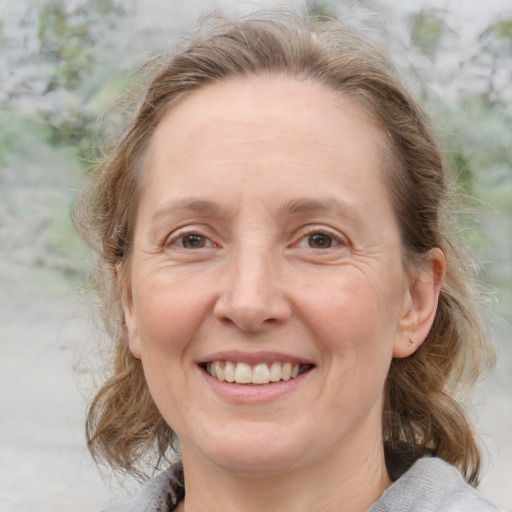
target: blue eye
<point>320,241</point>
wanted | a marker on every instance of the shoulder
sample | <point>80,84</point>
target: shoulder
<point>432,485</point>
<point>163,493</point>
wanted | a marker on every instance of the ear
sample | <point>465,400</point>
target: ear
<point>420,306</point>
<point>130,318</point>
<point>132,331</point>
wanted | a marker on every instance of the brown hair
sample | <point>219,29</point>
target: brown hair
<point>124,426</point>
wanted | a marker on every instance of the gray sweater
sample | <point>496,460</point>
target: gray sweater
<point>430,485</point>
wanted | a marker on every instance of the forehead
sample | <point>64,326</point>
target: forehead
<point>282,129</point>
<point>263,110</point>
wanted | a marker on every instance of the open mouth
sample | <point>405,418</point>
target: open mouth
<point>261,373</point>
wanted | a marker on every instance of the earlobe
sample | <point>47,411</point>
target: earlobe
<point>421,305</point>
<point>131,324</point>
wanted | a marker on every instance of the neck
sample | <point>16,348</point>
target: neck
<point>351,482</point>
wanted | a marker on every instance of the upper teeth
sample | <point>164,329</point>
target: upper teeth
<point>243,373</point>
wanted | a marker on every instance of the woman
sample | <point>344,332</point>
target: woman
<point>289,311</point>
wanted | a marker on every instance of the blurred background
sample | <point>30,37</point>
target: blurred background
<point>62,62</point>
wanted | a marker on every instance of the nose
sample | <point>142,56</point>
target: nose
<point>252,297</point>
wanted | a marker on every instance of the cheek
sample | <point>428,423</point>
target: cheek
<point>353,309</point>
<point>169,320</point>
<point>168,315</point>
<point>354,324</point>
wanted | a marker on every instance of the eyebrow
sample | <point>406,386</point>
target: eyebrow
<point>295,207</point>
<point>332,205</point>
<point>191,205</point>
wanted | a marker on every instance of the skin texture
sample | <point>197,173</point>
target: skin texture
<point>252,169</point>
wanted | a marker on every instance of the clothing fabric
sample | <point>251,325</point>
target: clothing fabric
<point>429,485</point>
<point>432,485</point>
<point>162,494</point>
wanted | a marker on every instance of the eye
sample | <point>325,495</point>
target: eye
<point>188,241</point>
<point>320,240</point>
<point>193,241</point>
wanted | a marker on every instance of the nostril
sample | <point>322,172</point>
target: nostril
<point>250,317</point>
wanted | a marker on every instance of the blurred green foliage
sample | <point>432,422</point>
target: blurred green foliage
<point>460,165</point>
<point>63,41</point>
<point>2,34</point>
<point>321,10</point>
<point>68,39</point>
<point>503,29</point>
<point>427,31</point>
<point>65,38</point>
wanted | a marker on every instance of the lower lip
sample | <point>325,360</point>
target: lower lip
<point>254,393</point>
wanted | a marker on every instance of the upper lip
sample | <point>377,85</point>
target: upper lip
<point>253,357</point>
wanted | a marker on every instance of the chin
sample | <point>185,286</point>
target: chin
<point>256,462</point>
<point>254,452</point>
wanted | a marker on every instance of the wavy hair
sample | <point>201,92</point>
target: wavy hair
<point>124,426</point>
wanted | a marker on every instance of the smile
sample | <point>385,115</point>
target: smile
<point>261,373</point>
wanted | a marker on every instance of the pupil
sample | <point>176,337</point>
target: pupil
<point>320,241</point>
<point>193,242</point>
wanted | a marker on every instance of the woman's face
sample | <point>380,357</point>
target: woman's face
<point>266,249</point>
